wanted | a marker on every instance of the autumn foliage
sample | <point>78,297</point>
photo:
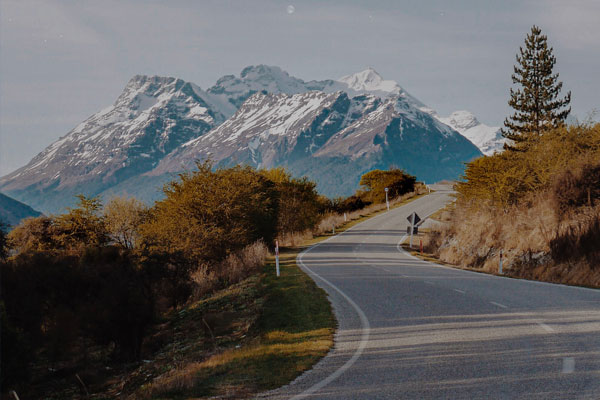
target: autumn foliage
<point>541,207</point>
<point>98,276</point>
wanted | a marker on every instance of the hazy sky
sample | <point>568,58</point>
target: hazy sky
<point>61,61</point>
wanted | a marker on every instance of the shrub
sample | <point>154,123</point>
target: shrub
<point>122,218</point>
<point>576,187</point>
<point>396,180</point>
<point>208,214</point>
<point>578,241</point>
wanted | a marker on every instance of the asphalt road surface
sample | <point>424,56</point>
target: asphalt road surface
<point>409,329</point>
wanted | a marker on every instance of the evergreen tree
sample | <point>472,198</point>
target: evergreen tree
<point>536,103</point>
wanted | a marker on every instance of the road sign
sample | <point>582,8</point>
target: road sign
<point>416,220</point>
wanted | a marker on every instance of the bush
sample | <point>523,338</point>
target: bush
<point>299,205</point>
<point>578,241</point>
<point>57,299</point>
<point>396,180</point>
<point>122,218</point>
<point>577,187</point>
<point>208,214</point>
<point>15,353</point>
<point>507,178</point>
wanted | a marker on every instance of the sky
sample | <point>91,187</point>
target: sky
<point>62,61</point>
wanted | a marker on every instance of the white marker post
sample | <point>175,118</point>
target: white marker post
<point>387,202</point>
<point>500,266</point>
<point>277,256</point>
<point>412,227</point>
<point>345,217</point>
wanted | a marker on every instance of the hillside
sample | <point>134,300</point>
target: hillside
<point>13,211</point>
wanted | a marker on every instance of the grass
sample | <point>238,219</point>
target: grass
<point>293,329</point>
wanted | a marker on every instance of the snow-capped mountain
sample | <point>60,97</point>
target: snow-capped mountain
<point>331,130</point>
<point>330,137</point>
<point>273,129</point>
<point>487,138</point>
<point>261,78</point>
<point>151,118</point>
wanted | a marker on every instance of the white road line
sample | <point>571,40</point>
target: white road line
<point>429,283</point>
<point>459,291</point>
<point>498,304</point>
<point>366,330</point>
<point>568,365</point>
<point>366,327</point>
<point>545,327</point>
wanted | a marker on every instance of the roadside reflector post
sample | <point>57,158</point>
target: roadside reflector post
<point>387,202</point>
<point>412,227</point>
<point>500,266</point>
<point>421,246</point>
<point>277,256</point>
<point>345,217</point>
<point>333,229</point>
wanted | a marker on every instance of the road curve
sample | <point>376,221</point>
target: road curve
<point>408,329</point>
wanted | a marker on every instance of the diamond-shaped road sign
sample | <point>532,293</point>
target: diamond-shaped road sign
<point>416,220</point>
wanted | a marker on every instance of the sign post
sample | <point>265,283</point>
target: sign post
<point>277,256</point>
<point>413,219</point>
<point>387,202</point>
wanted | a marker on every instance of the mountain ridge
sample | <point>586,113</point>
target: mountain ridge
<point>160,126</point>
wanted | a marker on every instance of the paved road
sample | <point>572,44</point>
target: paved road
<point>413,330</point>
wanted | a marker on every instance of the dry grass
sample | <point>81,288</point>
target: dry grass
<point>293,331</point>
<point>334,220</point>
<point>294,239</point>
<point>533,238</point>
<point>236,267</point>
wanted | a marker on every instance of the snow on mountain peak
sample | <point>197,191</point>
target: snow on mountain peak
<point>487,138</point>
<point>462,120</point>
<point>369,80</point>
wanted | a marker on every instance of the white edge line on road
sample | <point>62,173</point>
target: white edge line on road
<point>459,291</point>
<point>366,330</point>
<point>366,327</point>
<point>406,253</point>
<point>498,304</point>
<point>545,327</point>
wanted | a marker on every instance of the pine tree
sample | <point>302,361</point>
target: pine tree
<point>536,103</point>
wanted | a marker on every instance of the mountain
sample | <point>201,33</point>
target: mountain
<point>272,129</point>
<point>262,78</point>
<point>332,138</point>
<point>152,117</point>
<point>487,138</point>
<point>13,211</point>
<point>331,130</point>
